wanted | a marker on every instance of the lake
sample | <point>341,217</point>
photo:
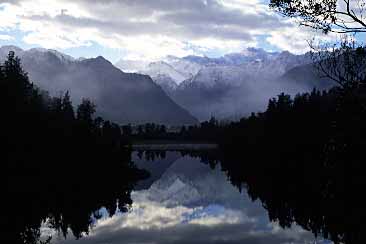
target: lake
<point>188,201</point>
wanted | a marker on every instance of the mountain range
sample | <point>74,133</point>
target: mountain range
<point>173,90</point>
<point>119,96</point>
<point>233,85</point>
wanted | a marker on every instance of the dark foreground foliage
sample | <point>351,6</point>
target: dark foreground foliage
<point>57,165</point>
<point>303,158</point>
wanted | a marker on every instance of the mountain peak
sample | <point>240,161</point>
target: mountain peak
<point>98,61</point>
<point>61,56</point>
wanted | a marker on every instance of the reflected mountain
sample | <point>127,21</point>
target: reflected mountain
<point>146,161</point>
<point>191,203</point>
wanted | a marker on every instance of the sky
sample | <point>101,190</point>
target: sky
<point>148,30</point>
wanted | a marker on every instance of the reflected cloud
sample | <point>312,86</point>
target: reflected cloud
<point>191,203</point>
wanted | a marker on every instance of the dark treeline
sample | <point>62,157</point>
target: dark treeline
<point>58,165</point>
<point>207,156</point>
<point>159,132</point>
<point>148,131</point>
<point>304,159</point>
<point>187,133</point>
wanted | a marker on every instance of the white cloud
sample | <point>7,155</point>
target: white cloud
<point>6,38</point>
<point>191,203</point>
<point>296,39</point>
<point>154,222</point>
<point>147,29</point>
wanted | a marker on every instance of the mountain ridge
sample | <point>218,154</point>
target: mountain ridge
<point>236,83</point>
<point>121,97</point>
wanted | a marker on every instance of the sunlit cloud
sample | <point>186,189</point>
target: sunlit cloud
<point>147,29</point>
<point>174,209</point>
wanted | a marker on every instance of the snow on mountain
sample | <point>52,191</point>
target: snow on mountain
<point>230,68</point>
<point>233,69</point>
<point>166,74</point>
<point>214,75</point>
<point>131,66</point>
<point>237,84</point>
<point>249,66</point>
<point>187,68</point>
<point>165,82</point>
<point>156,69</point>
<point>245,56</point>
<point>234,84</point>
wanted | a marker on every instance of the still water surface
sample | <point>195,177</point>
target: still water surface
<point>186,201</point>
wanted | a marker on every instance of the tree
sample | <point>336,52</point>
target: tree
<point>86,111</point>
<point>339,16</point>
<point>67,108</point>
<point>162,129</point>
<point>140,130</point>
<point>127,130</point>
<point>15,81</point>
<point>345,64</point>
<point>42,142</point>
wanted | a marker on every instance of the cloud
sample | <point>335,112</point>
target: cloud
<point>143,28</point>
<point>295,39</point>
<point>6,37</point>
<point>151,222</point>
<point>170,212</point>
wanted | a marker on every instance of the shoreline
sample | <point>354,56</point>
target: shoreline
<point>176,146</point>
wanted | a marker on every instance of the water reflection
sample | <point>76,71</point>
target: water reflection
<point>186,201</point>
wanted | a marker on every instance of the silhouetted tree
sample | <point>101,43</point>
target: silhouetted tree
<point>327,15</point>
<point>85,111</point>
<point>343,63</point>
<point>67,108</point>
<point>47,152</point>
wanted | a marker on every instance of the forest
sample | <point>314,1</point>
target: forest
<point>58,165</point>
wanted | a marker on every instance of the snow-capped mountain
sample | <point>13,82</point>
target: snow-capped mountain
<point>185,67</point>
<point>156,69</point>
<point>166,73</point>
<point>243,57</point>
<point>218,75</point>
<point>131,66</point>
<point>165,82</point>
<point>234,84</point>
<point>229,69</point>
